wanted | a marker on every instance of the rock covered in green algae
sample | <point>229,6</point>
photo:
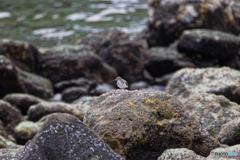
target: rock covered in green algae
<point>141,125</point>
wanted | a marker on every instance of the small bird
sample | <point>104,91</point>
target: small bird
<point>121,83</point>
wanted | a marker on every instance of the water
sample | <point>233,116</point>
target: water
<point>45,23</point>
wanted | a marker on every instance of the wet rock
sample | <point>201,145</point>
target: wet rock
<point>224,153</point>
<point>64,136</point>
<point>73,93</point>
<point>80,82</point>
<point>4,143</point>
<point>229,133</point>
<point>22,54</point>
<point>162,61</point>
<point>209,44</point>
<point>168,18</point>
<point>36,112</point>
<point>9,115</point>
<point>15,80</point>
<point>26,130</point>
<point>220,81</point>
<point>212,111</point>
<point>141,125</point>
<point>126,56</point>
<point>11,153</point>
<point>101,88</point>
<point>180,153</point>
<point>80,62</point>
<point>22,101</point>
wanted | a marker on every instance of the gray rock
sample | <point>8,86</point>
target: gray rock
<point>101,88</point>
<point>80,62</point>
<point>138,85</point>
<point>229,133</point>
<point>9,115</point>
<point>180,153</point>
<point>73,93</point>
<point>168,18</point>
<point>11,153</point>
<point>213,111</point>
<point>26,130</point>
<point>15,80</point>
<point>209,44</point>
<point>162,61</point>
<point>22,54</point>
<point>22,101</point>
<point>5,143</point>
<point>63,136</point>
<point>115,48</point>
<point>36,112</point>
<point>141,125</point>
<point>220,81</point>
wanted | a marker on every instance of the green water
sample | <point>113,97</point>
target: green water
<point>45,23</point>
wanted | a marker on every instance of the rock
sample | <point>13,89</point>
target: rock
<point>138,85</point>
<point>22,101</point>
<point>163,80</point>
<point>126,56</point>
<point>10,116</point>
<point>101,88</point>
<point>11,153</point>
<point>22,54</point>
<point>85,101</point>
<point>103,40</point>
<point>230,153</point>
<point>220,81</point>
<point>153,88</point>
<point>209,44</point>
<point>73,93</point>
<point>63,136</point>
<point>26,130</point>
<point>180,153</point>
<point>36,112</point>
<point>229,133</point>
<point>80,62</point>
<point>213,111</point>
<point>4,143</point>
<point>168,18</point>
<point>80,82</point>
<point>162,61</point>
<point>15,80</point>
<point>141,125</point>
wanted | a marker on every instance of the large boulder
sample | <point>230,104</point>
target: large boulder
<point>22,101</point>
<point>162,61</point>
<point>209,44</point>
<point>141,125</point>
<point>220,81</point>
<point>168,18</point>
<point>213,111</point>
<point>231,152</point>
<point>15,80</point>
<point>22,54</point>
<point>80,62</point>
<point>63,136</point>
<point>126,56</point>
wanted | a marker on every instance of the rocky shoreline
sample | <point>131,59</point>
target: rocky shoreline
<point>182,103</point>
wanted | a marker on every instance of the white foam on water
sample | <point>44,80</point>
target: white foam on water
<point>5,15</point>
<point>60,34</point>
<point>39,16</point>
<point>44,31</point>
<point>76,16</point>
<point>101,16</point>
